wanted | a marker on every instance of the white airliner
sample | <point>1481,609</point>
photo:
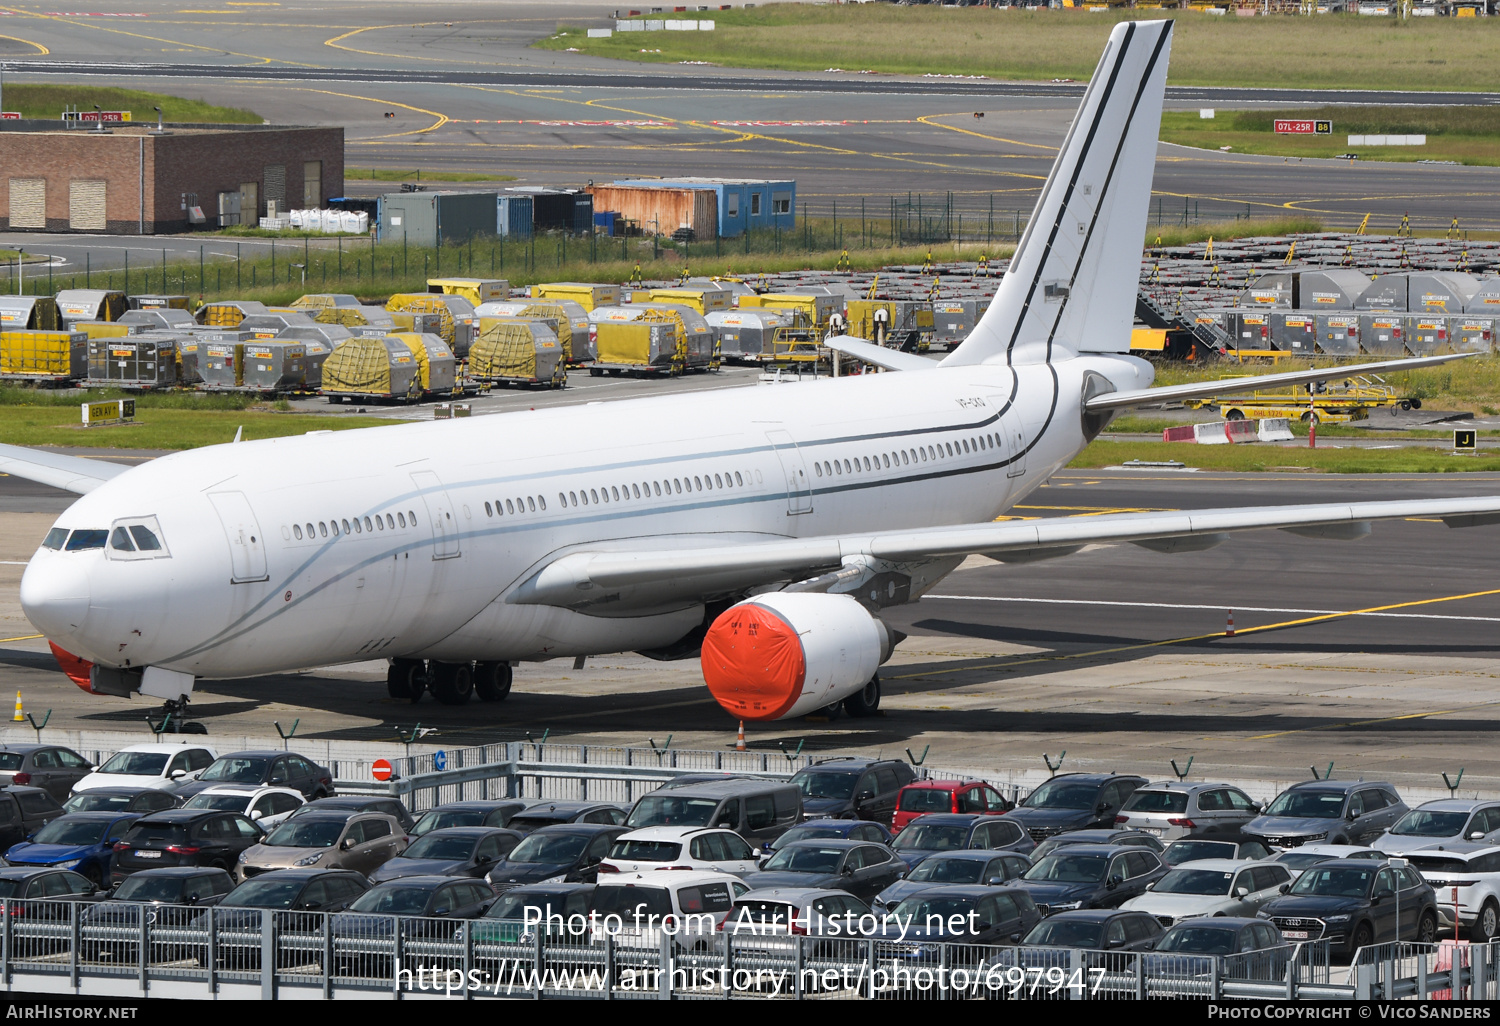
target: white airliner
<point>765,527</point>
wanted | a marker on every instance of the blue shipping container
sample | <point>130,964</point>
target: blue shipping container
<point>606,219</point>
<point>513,216</point>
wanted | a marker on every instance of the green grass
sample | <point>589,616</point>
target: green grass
<point>49,101</point>
<point>1328,51</point>
<point>162,428</point>
<point>1176,235</point>
<point>1273,458</point>
<point>1469,135</point>
<point>391,174</point>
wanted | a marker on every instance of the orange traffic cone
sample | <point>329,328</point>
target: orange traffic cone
<point>739,744</point>
<point>1229,629</point>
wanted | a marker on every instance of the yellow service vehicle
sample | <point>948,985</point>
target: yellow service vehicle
<point>1351,399</point>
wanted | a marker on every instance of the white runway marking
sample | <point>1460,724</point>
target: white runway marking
<point>1217,609</point>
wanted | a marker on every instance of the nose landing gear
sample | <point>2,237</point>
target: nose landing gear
<point>172,719</point>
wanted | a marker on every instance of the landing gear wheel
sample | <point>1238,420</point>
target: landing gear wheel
<point>1486,924</point>
<point>452,683</point>
<point>492,681</point>
<point>406,678</point>
<point>865,702</point>
<point>172,720</point>
<point>831,712</point>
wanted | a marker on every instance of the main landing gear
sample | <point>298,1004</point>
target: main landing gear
<point>864,702</point>
<point>450,683</point>
<point>173,719</point>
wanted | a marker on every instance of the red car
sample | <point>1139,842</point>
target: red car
<point>926,796</point>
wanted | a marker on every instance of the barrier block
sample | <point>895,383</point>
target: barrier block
<point>1212,433</point>
<point>1242,430</point>
<point>1182,433</point>
<point>1274,429</point>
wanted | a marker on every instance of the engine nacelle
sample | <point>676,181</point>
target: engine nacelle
<point>791,653</point>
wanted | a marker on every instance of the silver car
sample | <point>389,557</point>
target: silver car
<point>1329,812</point>
<point>1211,887</point>
<point>1445,821</point>
<point>1171,809</point>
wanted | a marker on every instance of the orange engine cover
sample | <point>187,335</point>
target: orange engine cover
<point>753,662</point>
<point>77,669</point>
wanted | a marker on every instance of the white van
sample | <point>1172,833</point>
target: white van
<point>639,908</point>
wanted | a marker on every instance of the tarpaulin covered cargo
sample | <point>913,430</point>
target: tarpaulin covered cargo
<point>475,290</point>
<point>274,322</point>
<point>437,368</point>
<point>275,366</point>
<point>662,210</point>
<point>375,368</point>
<point>221,364</point>
<point>339,308</point>
<point>1338,334</point>
<point>571,321</point>
<point>227,313</point>
<point>50,355</point>
<point>639,345</point>
<point>586,294</point>
<point>155,302</point>
<point>91,305</point>
<point>133,361</point>
<point>455,316</point>
<point>1472,334</point>
<point>166,318</point>
<point>1382,334</point>
<point>517,351</point>
<point>954,318</point>
<point>746,334</point>
<point>1293,331</point>
<point>1426,333</point>
<point>30,313</point>
<point>690,345</point>
<point>703,298</point>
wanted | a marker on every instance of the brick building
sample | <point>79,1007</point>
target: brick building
<point>132,180</point>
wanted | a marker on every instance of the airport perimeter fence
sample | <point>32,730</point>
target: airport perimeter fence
<point>124,949</point>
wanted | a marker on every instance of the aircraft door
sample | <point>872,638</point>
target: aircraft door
<point>247,547</point>
<point>1014,435</point>
<point>798,486</point>
<point>440,512</point>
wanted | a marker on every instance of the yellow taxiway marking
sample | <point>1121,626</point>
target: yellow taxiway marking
<point>927,119</point>
<point>1367,723</point>
<point>42,51</point>
<point>24,637</point>
<point>442,119</point>
<point>336,43</point>
<point>158,39</point>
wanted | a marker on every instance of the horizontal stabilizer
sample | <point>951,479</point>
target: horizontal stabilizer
<point>880,356</point>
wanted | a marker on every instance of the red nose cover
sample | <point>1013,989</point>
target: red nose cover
<point>753,663</point>
<point>77,669</point>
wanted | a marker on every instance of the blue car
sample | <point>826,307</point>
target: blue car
<point>955,868</point>
<point>81,841</point>
<point>958,831</point>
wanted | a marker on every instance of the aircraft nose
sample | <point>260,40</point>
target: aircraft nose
<point>55,597</point>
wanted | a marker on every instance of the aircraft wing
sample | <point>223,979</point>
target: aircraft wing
<point>70,473</point>
<point>1234,386</point>
<point>586,578</point>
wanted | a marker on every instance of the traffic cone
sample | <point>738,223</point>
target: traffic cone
<point>19,717</point>
<point>1229,628</point>
<point>739,744</point>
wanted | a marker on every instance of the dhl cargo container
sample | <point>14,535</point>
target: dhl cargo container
<point>339,308</point>
<point>559,326</point>
<point>1486,299</point>
<point>91,305</point>
<point>455,313</point>
<point>475,290</point>
<point>704,299</point>
<point>734,286</point>
<point>574,340</point>
<point>953,319</point>
<point>659,340</point>
<point>134,361</point>
<point>221,364</point>
<point>317,355</point>
<point>158,318</point>
<point>700,351</point>
<point>272,323</point>
<point>368,368</point>
<point>746,334</point>
<point>1333,288</point>
<point>1338,334</point>
<point>50,356</point>
<point>585,294</point>
<point>1426,333</point>
<point>437,368</point>
<point>1472,334</point>
<point>425,323</point>
<point>160,302</point>
<point>1293,331</point>
<point>1382,333</point>
<point>274,366</point>
<point>328,334</point>
<point>516,351</point>
<point>29,313</point>
<point>187,359</point>
<point>227,313</point>
<point>1445,292</point>
<point>107,329</point>
<point>901,323</point>
<point>810,309</point>
<point>1250,329</point>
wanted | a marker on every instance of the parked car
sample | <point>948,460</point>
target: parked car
<point>456,851</point>
<point>26,882</point>
<point>859,867</point>
<point>565,853</point>
<point>1249,948</point>
<point>951,832</point>
<point>117,917</point>
<point>1353,903</point>
<point>1124,838</point>
<point>1332,811</point>
<point>1171,809</point>
<point>24,811</point>
<point>817,829</point>
<point>294,899</point>
<point>543,814</point>
<point>852,787</point>
<point>392,807</point>
<point>1236,847</point>
<point>1091,876</point>
<point>309,889</point>
<point>1445,821</point>
<point>81,841</point>
<point>184,837</point>
<point>496,813</point>
<point>1212,887</point>
<point>1074,801</point>
<point>1466,879</point>
<point>696,902</point>
<point>758,810</point>
<point>695,848</point>
<point>52,768</point>
<point>157,766</point>
<point>506,922</point>
<point>1096,929</point>
<point>361,841</point>
<point>143,800</point>
<point>268,806</point>
<point>1298,859</point>
<point>948,868</point>
<point>924,797</point>
<point>271,767</point>
<point>396,905</point>
<point>965,914</point>
<point>763,919</point>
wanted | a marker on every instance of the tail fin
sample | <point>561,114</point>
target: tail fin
<point>1074,277</point>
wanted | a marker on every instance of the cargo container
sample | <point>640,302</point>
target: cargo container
<point>273,322</point>
<point>1338,334</point>
<point>703,298</point>
<point>455,316</point>
<point>408,320</point>
<point>571,322</point>
<point>517,351</point>
<point>435,218</point>
<point>733,286</point>
<point>437,368</point>
<point>30,313</point>
<point>107,329</point>
<point>186,357</point>
<point>90,305</point>
<point>953,319</point>
<point>808,309</point>
<point>1486,298</point>
<point>586,294</point>
<point>1472,334</point>
<point>227,313</point>
<point>221,364</point>
<point>340,308</point>
<point>746,335</point>
<point>475,290</point>
<point>44,356</point>
<point>669,340</point>
<point>371,369</point>
<point>275,366</point>
<point>901,323</point>
<point>317,355</point>
<point>1426,333</point>
<point>741,204</point>
<point>1249,328</point>
<point>1382,334</point>
<point>657,209</point>
<point>557,210</point>
<point>1334,288</point>
<point>1293,331</point>
<point>513,216</point>
<point>131,362</point>
<point>158,302</point>
<point>1444,292</point>
<point>154,318</point>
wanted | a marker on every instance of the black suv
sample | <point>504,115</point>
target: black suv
<point>185,837</point>
<point>852,788</point>
<point>272,768</point>
<point>24,811</point>
<point>1074,801</point>
<point>1353,903</point>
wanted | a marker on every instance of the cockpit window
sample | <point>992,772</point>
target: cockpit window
<point>120,539</point>
<point>145,539</point>
<point>137,538</point>
<point>81,540</point>
<point>55,538</point>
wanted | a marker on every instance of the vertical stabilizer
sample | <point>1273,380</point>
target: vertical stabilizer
<point>1074,277</point>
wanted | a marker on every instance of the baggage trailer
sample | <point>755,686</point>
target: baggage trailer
<point>1351,399</point>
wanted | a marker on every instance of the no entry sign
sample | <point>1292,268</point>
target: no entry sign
<point>381,770</point>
